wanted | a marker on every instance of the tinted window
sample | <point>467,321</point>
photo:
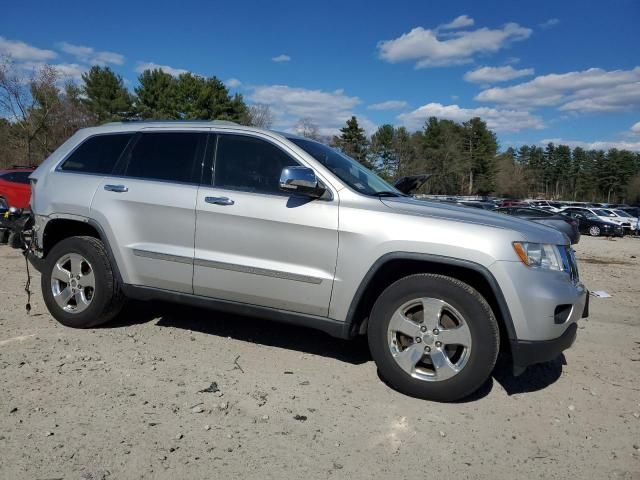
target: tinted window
<point>251,164</point>
<point>20,177</point>
<point>165,156</point>
<point>97,154</point>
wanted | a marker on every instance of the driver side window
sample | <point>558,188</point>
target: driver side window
<point>249,164</point>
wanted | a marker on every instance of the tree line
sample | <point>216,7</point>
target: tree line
<point>463,159</point>
<point>38,113</point>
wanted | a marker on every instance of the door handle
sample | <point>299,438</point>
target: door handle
<point>219,200</point>
<point>116,188</point>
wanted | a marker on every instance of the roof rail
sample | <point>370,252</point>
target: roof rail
<point>138,120</point>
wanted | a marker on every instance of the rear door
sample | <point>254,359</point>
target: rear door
<point>256,244</point>
<point>147,208</point>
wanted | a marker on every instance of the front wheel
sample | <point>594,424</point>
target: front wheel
<point>78,283</point>
<point>594,231</point>
<point>433,337</point>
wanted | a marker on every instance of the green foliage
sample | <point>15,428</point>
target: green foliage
<point>157,96</point>
<point>105,94</point>
<point>353,142</point>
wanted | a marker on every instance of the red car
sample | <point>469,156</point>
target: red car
<point>15,189</point>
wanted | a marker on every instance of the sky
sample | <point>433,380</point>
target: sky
<point>561,71</point>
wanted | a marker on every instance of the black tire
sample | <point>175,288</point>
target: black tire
<point>478,316</point>
<point>594,231</point>
<point>107,300</point>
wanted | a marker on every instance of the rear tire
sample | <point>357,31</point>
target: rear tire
<point>69,264</point>
<point>444,353</point>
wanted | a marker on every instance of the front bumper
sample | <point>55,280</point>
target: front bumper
<point>525,353</point>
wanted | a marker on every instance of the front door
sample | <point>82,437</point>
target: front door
<point>256,244</point>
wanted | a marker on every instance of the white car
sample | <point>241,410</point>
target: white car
<point>624,217</point>
<point>606,215</point>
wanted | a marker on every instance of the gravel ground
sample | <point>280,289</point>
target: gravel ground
<point>172,393</point>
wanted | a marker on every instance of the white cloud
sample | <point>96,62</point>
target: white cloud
<point>70,71</point>
<point>499,120</point>
<point>596,145</point>
<point>458,22</point>
<point>425,48</point>
<point>233,83</point>
<point>552,22</point>
<point>281,58</point>
<point>388,105</point>
<point>496,74</point>
<point>90,55</point>
<point>589,90</point>
<point>328,110</point>
<point>142,66</point>
<point>21,51</point>
<point>635,128</point>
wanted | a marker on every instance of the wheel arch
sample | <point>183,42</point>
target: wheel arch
<point>60,228</point>
<point>394,266</point>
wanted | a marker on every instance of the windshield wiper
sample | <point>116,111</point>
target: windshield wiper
<point>388,193</point>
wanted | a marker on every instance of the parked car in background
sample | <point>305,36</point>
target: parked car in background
<point>15,189</point>
<point>509,202</point>
<point>590,224</point>
<point>603,214</point>
<point>566,225</point>
<point>630,222</point>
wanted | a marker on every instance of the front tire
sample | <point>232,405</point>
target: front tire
<point>433,337</point>
<point>79,285</point>
<point>594,231</point>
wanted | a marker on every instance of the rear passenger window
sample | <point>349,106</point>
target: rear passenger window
<point>166,156</point>
<point>250,164</point>
<point>97,154</point>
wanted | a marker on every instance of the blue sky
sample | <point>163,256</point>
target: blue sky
<point>535,71</point>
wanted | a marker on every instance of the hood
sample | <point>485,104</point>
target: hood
<point>532,232</point>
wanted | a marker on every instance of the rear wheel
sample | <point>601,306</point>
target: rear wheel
<point>433,337</point>
<point>594,231</point>
<point>78,284</point>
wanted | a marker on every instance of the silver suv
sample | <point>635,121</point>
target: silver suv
<point>281,227</point>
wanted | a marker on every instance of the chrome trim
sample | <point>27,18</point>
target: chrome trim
<point>219,200</point>
<point>257,271</point>
<point>162,256</point>
<point>232,267</point>
<point>116,188</point>
<point>293,178</point>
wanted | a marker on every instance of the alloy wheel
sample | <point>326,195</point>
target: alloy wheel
<point>429,339</point>
<point>73,283</point>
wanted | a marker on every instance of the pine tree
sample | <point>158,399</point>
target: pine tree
<point>105,94</point>
<point>480,149</point>
<point>157,96</point>
<point>353,142</point>
<point>383,151</point>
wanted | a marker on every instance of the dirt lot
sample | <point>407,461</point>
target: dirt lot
<point>131,400</point>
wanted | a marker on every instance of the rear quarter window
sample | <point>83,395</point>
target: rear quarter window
<point>97,154</point>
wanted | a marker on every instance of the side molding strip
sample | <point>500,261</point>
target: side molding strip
<point>257,271</point>
<point>233,267</point>
<point>162,256</point>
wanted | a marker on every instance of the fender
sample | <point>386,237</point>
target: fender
<point>437,259</point>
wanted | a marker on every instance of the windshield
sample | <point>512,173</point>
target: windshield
<point>602,213</point>
<point>622,213</point>
<point>347,169</point>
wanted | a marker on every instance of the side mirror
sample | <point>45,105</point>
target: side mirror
<point>300,180</point>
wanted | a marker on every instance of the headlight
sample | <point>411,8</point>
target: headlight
<point>540,255</point>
